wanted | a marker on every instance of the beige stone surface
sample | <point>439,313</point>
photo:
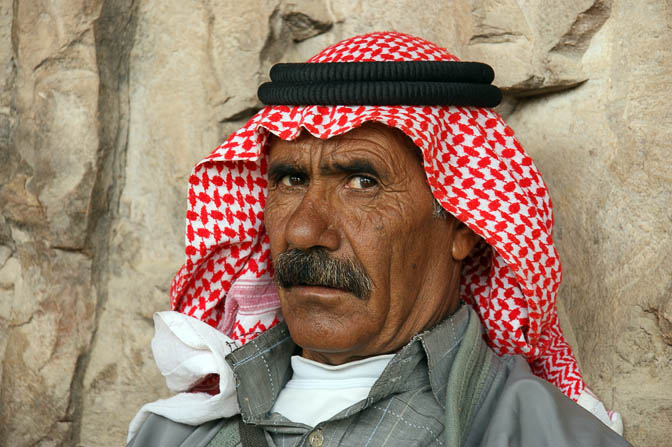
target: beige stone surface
<point>604,149</point>
<point>47,175</point>
<point>106,105</point>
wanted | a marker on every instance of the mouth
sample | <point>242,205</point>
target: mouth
<point>312,284</point>
<point>316,290</point>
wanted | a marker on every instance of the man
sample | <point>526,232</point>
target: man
<point>380,220</point>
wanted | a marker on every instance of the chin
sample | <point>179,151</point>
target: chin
<point>341,325</point>
<point>322,339</point>
<point>327,343</point>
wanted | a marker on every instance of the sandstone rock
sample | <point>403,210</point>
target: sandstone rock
<point>665,321</point>
<point>436,21</point>
<point>10,269</point>
<point>49,327</point>
<point>105,107</point>
<point>603,149</point>
<point>19,204</point>
<point>307,20</point>
<point>6,69</point>
<point>171,86</point>
<point>50,151</point>
<point>535,47</point>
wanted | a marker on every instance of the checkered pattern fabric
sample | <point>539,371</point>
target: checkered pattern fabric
<point>475,168</point>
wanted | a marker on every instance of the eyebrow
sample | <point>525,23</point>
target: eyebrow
<point>355,166</point>
<point>279,169</point>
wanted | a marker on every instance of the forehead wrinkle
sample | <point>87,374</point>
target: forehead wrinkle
<point>335,160</point>
<point>300,152</point>
<point>349,150</point>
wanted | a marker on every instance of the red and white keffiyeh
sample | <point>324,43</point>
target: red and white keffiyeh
<point>475,168</point>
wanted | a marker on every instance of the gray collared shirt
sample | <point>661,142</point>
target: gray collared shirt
<point>445,387</point>
<point>405,405</point>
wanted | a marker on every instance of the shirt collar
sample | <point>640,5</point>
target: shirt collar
<point>262,366</point>
<point>429,354</point>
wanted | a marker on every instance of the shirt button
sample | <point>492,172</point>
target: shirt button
<point>315,438</point>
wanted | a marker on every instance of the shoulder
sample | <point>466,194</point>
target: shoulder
<point>525,410</point>
<point>162,432</point>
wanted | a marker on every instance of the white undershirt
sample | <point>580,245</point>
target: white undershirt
<point>317,392</point>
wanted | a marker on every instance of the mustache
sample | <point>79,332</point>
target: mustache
<point>314,267</point>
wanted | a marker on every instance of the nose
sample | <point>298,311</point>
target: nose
<point>312,224</point>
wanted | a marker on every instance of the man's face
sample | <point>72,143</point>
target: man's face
<point>362,200</point>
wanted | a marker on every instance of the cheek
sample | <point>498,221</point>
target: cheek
<point>394,239</point>
<point>375,223</point>
<point>384,231</point>
<point>369,235</point>
<point>277,211</point>
<point>378,236</point>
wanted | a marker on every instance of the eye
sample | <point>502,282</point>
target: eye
<point>361,182</point>
<point>293,180</point>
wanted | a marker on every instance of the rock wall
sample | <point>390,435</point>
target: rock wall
<point>106,105</point>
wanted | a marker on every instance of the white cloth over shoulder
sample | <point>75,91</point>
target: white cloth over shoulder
<point>186,350</point>
<point>611,419</point>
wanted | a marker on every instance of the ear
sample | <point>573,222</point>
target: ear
<point>464,241</point>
